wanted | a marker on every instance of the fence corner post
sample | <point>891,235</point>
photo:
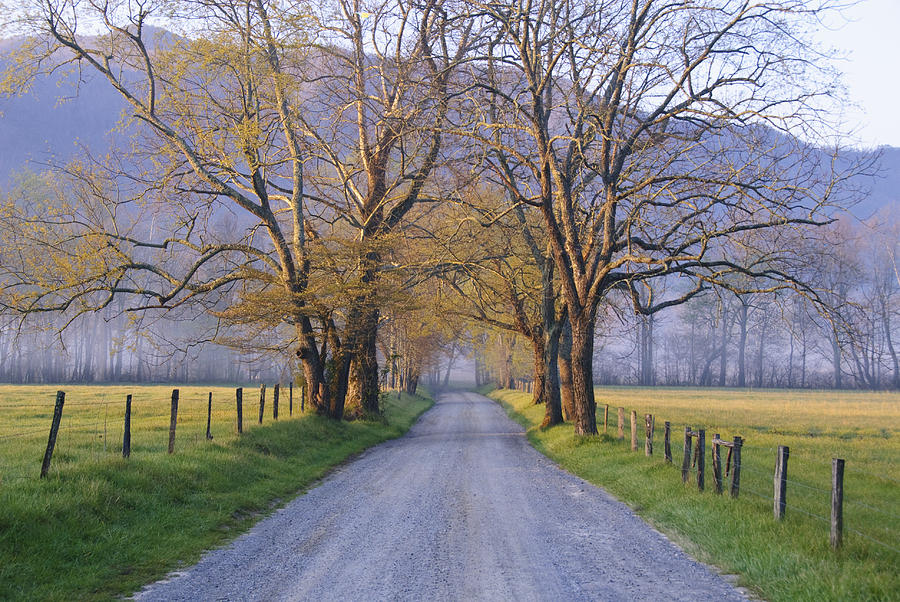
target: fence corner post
<point>634,445</point>
<point>837,502</point>
<point>667,442</point>
<point>239,399</point>
<point>173,420</point>
<point>275,402</point>
<point>54,431</point>
<point>686,463</point>
<point>736,467</point>
<point>717,463</point>
<point>126,431</point>
<point>701,459</point>
<point>262,401</point>
<point>780,498</point>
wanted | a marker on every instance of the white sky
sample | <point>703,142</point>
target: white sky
<point>870,39</point>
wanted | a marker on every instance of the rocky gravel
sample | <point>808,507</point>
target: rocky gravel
<point>461,508</point>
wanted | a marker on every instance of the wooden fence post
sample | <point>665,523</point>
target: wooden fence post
<point>736,467</point>
<point>239,399</point>
<point>126,431</point>
<point>667,442</point>
<point>781,461</point>
<point>686,463</point>
<point>54,430</point>
<point>209,417</point>
<point>291,399</point>
<point>173,420</point>
<point>275,402</point>
<point>717,463</point>
<point>621,432</point>
<point>606,418</point>
<point>648,439</point>
<point>302,398</point>
<point>634,430</point>
<point>701,459</point>
<point>837,502</point>
<point>262,401</point>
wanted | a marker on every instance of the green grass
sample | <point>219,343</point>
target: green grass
<point>790,560</point>
<point>101,526</point>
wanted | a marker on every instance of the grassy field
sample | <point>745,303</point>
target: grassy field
<point>101,526</point>
<point>790,560</point>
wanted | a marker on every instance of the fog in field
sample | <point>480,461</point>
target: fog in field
<point>73,156</point>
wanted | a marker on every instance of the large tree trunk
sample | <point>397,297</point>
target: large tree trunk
<point>552,405</point>
<point>412,381</point>
<point>742,346</point>
<point>582,375</point>
<point>365,364</point>
<point>566,390</point>
<point>313,361</point>
<point>539,371</point>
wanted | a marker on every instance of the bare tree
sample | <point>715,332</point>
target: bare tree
<point>647,135</point>
<point>316,129</point>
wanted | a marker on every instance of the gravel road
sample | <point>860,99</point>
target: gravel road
<point>461,508</point>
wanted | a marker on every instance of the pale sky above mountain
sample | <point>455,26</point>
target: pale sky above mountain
<point>870,39</point>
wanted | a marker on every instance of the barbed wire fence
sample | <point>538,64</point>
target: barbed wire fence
<point>91,427</point>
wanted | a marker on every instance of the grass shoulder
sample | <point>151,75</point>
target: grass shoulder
<point>103,528</point>
<point>788,560</point>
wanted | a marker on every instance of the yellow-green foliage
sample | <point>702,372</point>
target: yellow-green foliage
<point>791,560</point>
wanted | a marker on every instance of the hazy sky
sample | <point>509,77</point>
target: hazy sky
<point>870,37</point>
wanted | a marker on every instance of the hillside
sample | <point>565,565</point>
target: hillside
<point>58,117</point>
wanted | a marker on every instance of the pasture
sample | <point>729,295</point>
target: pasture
<point>99,526</point>
<point>787,560</point>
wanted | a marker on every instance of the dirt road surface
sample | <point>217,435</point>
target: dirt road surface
<point>461,508</point>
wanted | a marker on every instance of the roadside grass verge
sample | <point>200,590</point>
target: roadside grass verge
<point>788,560</point>
<point>100,526</point>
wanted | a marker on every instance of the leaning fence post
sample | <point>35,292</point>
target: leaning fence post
<point>209,417</point>
<point>173,420</point>
<point>54,430</point>
<point>736,467</point>
<point>621,433</point>
<point>781,461</point>
<point>667,443</point>
<point>239,399</point>
<point>837,502</point>
<point>126,432</point>
<point>606,418</point>
<point>717,463</point>
<point>634,430</point>
<point>648,440</point>
<point>275,402</point>
<point>262,401</point>
<point>686,463</point>
<point>701,459</point>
